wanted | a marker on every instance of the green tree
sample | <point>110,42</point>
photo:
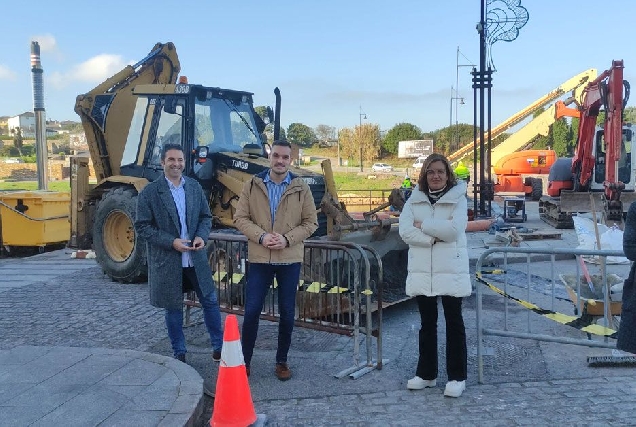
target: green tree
<point>560,137</point>
<point>17,139</point>
<point>264,112</point>
<point>400,132</point>
<point>269,133</point>
<point>301,134</point>
<point>629,115</point>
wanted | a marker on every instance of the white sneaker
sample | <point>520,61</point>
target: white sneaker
<point>417,383</point>
<point>454,388</point>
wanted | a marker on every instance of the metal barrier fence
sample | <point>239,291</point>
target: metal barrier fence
<point>582,304</point>
<point>340,284</point>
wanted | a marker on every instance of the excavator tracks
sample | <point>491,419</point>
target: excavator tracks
<point>550,213</point>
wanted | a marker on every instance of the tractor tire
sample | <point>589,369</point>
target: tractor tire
<point>537,189</point>
<point>117,249</point>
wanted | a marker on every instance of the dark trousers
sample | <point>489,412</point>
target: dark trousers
<point>456,353</point>
<point>259,280</point>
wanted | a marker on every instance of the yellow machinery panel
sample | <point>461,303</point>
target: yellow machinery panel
<point>34,218</point>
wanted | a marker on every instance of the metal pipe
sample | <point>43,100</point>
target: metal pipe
<point>40,117</point>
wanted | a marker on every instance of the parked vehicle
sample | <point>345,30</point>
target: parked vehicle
<point>419,162</point>
<point>13,160</point>
<point>381,167</point>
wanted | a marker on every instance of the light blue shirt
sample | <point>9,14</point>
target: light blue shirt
<point>275,192</point>
<point>178,195</point>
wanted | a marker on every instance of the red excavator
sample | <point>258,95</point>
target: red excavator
<point>600,175</point>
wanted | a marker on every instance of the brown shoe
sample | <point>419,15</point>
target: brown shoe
<point>283,372</point>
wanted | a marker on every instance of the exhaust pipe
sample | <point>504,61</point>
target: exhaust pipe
<point>40,117</point>
<point>277,115</point>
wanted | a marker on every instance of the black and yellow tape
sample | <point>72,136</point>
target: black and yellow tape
<point>310,287</point>
<point>573,321</point>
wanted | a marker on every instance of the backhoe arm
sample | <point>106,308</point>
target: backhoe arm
<point>108,108</point>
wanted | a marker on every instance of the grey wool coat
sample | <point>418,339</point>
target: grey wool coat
<point>627,331</point>
<point>157,223</point>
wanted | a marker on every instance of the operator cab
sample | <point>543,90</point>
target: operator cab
<point>205,121</point>
<point>624,167</point>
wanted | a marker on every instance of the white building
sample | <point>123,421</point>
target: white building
<point>24,121</point>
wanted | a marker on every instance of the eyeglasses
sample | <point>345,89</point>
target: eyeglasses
<point>439,172</point>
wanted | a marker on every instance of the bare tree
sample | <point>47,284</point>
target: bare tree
<point>325,133</point>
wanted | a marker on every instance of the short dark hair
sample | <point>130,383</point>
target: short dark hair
<point>168,147</point>
<point>282,143</point>
<point>422,183</point>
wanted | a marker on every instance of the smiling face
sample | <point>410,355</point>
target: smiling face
<point>173,164</point>
<point>279,160</point>
<point>436,175</point>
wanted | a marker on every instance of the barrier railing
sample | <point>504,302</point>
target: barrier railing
<point>336,289</point>
<point>583,322</point>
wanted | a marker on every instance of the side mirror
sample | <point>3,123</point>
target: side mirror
<point>170,105</point>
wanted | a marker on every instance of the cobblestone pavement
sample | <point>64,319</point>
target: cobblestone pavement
<point>526,382</point>
<point>83,310</point>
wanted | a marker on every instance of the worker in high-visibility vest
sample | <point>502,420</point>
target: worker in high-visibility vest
<point>407,183</point>
<point>462,172</point>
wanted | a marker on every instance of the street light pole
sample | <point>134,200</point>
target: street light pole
<point>457,97</point>
<point>362,116</point>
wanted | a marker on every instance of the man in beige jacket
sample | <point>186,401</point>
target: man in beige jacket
<point>276,212</point>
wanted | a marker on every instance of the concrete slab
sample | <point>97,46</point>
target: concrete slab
<point>91,386</point>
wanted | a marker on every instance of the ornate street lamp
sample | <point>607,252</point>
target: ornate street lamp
<point>500,20</point>
<point>362,116</point>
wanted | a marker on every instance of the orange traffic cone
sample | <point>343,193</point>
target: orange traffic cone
<point>233,404</point>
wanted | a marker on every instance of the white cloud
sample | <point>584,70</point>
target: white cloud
<point>7,74</point>
<point>95,70</point>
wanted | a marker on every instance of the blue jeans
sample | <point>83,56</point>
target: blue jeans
<point>259,280</point>
<point>211,318</point>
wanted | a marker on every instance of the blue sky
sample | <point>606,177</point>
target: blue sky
<point>395,59</point>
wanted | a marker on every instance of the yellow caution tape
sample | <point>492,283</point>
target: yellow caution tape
<point>313,287</point>
<point>573,321</point>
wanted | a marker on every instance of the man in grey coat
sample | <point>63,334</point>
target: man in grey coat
<point>174,219</point>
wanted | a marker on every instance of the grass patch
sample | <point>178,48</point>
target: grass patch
<point>345,182</point>
<point>61,186</point>
<point>348,182</point>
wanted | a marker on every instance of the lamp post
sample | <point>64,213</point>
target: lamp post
<point>362,116</point>
<point>454,97</point>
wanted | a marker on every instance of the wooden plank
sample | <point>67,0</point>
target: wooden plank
<point>540,235</point>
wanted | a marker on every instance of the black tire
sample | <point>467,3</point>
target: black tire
<point>117,249</point>
<point>537,189</point>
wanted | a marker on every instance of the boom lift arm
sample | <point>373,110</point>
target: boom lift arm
<point>574,85</point>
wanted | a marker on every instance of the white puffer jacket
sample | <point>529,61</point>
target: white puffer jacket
<point>440,268</point>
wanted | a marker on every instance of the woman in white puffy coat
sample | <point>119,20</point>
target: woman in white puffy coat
<point>433,224</point>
